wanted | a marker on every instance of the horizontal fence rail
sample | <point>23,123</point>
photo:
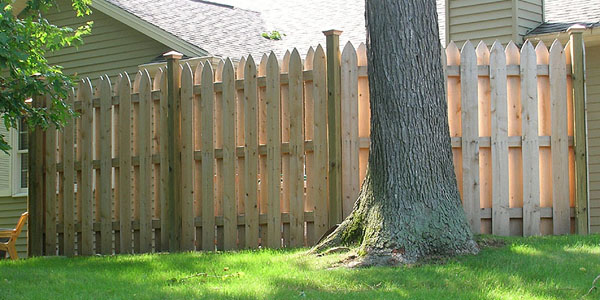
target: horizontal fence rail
<point>249,143</point>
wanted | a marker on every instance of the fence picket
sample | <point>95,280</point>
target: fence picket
<point>350,140</point>
<point>163,148</point>
<point>229,157</point>
<point>105,156</point>
<point>124,144</point>
<point>187,159</point>
<point>454,110</point>
<point>240,121</point>
<point>198,181</point>
<point>470,136</point>
<point>485,129</point>
<point>208,156</point>
<point>251,154</point>
<point>262,140</point>
<point>530,148</point>
<point>515,162</point>
<point>559,141</point>
<point>296,170</point>
<point>68,182</point>
<point>50,181</point>
<point>364,112</point>
<point>285,138</point>
<point>273,106</point>
<point>309,135</point>
<point>144,151</point>
<point>499,139</point>
<point>218,133</point>
<point>320,143</point>
<point>84,188</point>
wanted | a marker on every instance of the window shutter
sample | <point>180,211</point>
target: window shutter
<point>5,165</point>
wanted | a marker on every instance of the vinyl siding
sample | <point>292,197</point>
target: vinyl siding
<point>111,48</point>
<point>491,20</point>
<point>593,118</point>
<point>475,20</point>
<point>10,211</point>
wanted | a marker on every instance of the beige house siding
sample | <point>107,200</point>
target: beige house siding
<point>593,115</point>
<point>11,209</point>
<point>491,20</point>
<point>530,15</point>
<point>111,48</point>
<point>476,20</point>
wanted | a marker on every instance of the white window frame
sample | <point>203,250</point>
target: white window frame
<point>16,154</point>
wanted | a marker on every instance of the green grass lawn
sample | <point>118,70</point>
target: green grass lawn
<point>525,268</point>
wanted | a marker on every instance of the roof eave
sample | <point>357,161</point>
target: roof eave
<point>148,29</point>
<point>138,24</point>
<point>591,36</point>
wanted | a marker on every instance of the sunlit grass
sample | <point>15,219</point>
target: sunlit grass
<point>526,268</point>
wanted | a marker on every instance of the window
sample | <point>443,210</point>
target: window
<point>21,163</point>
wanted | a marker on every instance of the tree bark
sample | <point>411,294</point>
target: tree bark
<point>409,206</point>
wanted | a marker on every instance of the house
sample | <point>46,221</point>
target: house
<point>129,34</point>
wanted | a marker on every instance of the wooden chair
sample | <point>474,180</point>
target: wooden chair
<point>12,235</point>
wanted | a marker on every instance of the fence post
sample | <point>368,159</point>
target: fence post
<point>579,99</point>
<point>334,111</point>
<point>35,199</point>
<point>173,140</point>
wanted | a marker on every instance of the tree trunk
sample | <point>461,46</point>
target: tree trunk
<point>409,206</point>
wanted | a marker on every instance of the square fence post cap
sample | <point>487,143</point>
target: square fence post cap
<point>173,55</point>
<point>332,32</point>
<point>576,28</point>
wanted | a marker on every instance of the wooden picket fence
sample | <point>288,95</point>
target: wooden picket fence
<point>245,161</point>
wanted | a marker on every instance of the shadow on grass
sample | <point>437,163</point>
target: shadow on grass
<point>543,268</point>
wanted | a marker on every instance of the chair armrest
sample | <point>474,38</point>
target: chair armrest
<point>7,233</point>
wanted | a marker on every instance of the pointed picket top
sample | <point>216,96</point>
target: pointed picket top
<point>452,54</point>
<point>556,50</point>
<point>308,61</point>
<point>467,54</point>
<point>295,61</point>
<point>85,88</point>
<point>513,56</point>
<point>483,53</point>
<point>272,63</point>
<point>157,79</point>
<point>219,70</point>
<point>207,72</point>
<point>568,52</point>
<point>349,54</point>
<point>361,54</point>
<point>228,69</point>
<point>498,51</point>
<point>239,71</point>
<point>187,74</point>
<point>124,85</point>
<point>262,67</point>
<point>285,62</point>
<point>542,53</point>
<point>319,54</point>
<point>198,73</point>
<point>250,67</point>
<point>136,82</point>
<point>527,48</point>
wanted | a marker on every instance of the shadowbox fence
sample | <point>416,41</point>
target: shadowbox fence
<point>272,154</point>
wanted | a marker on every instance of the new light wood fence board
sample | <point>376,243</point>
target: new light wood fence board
<point>253,143</point>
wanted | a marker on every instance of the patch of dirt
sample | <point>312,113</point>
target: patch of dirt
<point>489,242</point>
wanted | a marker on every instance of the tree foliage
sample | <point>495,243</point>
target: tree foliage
<point>24,69</point>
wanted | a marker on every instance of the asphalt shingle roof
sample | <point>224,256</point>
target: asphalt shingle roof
<point>234,31</point>
<point>559,15</point>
